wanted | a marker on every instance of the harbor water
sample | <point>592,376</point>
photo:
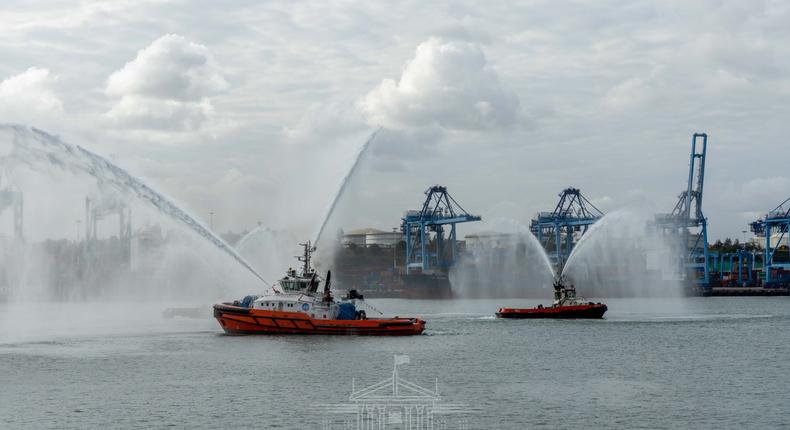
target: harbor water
<point>651,363</point>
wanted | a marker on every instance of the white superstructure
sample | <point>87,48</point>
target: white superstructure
<point>298,292</point>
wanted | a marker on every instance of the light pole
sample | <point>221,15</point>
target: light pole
<point>744,238</point>
<point>395,250</point>
<point>211,220</point>
<point>78,222</point>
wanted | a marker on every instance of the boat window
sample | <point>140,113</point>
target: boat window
<point>293,284</point>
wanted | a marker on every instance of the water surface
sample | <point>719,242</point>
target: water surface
<point>690,363</point>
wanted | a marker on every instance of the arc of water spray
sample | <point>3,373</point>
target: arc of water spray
<point>362,151</point>
<point>543,255</point>
<point>108,173</point>
<point>591,232</point>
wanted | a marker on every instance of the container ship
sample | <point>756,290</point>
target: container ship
<point>376,272</point>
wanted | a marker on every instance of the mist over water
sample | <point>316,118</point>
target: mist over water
<point>620,256</point>
<point>171,259</point>
<point>506,261</point>
<point>145,247</point>
<point>269,251</point>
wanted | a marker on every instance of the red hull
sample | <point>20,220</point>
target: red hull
<point>594,311</point>
<point>238,320</point>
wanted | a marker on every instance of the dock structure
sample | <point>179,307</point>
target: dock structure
<point>439,210</point>
<point>686,226</point>
<point>748,291</point>
<point>774,228</point>
<point>559,230</point>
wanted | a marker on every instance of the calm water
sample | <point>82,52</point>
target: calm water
<point>691,363</point>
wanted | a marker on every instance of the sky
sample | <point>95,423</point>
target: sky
<point>255,111</point>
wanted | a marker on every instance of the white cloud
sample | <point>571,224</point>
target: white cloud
<point>724,80</point>
<point>324,121</point>
<point>167,86</point>
<point>235,178</point>
<point>161,114</point>
<point>29,98</point>
<point>635,92</point>
<point>448,83</point>
<point>171,67</point>
<point>668,68</point>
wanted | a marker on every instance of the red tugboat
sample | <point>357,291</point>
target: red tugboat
<point>294,306</point>
<point>566,305</point>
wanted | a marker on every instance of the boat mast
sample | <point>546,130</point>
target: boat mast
<point>305,258</point>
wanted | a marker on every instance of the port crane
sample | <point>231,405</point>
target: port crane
<point>12,197</point>
<point>775,223</point>
<point>438,212</point>
<point>740,263</point>
<point>574,213</point>
<point>97,208</point>
<point>687,225</point>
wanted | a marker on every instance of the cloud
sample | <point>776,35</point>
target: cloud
<point>29,98</point>
<point>447,83</point>
<point>167,86</point>
<point>321,122</point>
<point>667,68</point>
<point>160,114</point>
<point>604,203</point>
<point>635,92</point>
<point>764,193</point>
<point>234,178</point>
<point>171,67</point>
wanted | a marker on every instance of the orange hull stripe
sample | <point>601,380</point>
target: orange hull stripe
<point>230,323</point>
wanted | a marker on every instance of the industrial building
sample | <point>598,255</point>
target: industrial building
<point>369,237</point>
<point>776,240</point>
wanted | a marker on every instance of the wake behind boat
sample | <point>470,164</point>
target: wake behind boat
<point>566,305</point>
<point>294,306</point>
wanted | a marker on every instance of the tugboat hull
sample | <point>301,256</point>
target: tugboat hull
<point>594,311</point>
<point>243,321</point>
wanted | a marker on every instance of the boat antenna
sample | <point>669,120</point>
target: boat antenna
<point>306,257</point>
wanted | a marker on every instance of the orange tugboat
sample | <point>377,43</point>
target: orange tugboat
<point>294,306</point>
<point>566,305</point>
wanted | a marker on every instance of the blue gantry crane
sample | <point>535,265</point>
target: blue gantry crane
<point>573,214</point>
<point>741,263</point>
<point>438,211</point>
<point>774,227</point>
<point>687,225</point>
